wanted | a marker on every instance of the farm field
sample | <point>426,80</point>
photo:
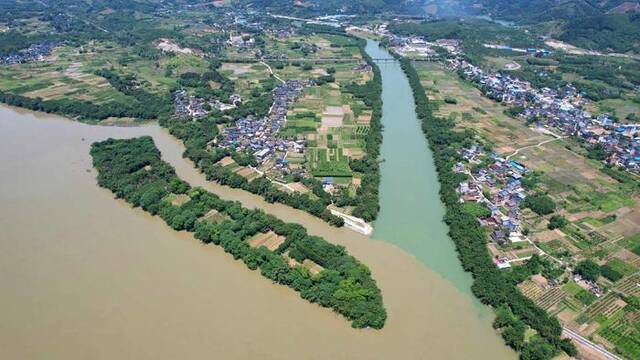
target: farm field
<point>601,215</point>
<point>472,110</point>
<point>69,73</point>
<point>576,183</point>
<point>321,46</point>
<point>333,123</point>
<point>66,74</point>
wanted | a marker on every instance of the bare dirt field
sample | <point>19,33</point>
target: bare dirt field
<point>299,187</point>
<point>270,240</point>
<point>627,224</point>
<point>214,216</point>
<point>564,166</point>
<point>179,200</point>
<point>247,173</point>
<point>170,46</point>
<point>331,121</point>
<point>236,68</point>
<point>227,160</point>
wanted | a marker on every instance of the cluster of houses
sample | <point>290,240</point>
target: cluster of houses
<point>593,287</point>
<point>188,107</point>
<point>192,107</point>
<point>35,52</point>
<point>500,87</point>
<point>418,46</point>
<point>562,109</point>
<point>260,136</point>
<point>241,41</point>
<point>497,187</point>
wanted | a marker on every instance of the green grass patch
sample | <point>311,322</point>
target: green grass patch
<point>585,297</point>
<point>571,288</point>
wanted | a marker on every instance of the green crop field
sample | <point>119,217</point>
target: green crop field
<point>625,335</point>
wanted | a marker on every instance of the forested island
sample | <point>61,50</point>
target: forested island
<point>321,272</point>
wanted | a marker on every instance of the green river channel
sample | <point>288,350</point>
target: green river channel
<point>411,215</point>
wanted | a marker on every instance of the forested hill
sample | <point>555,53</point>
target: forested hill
<point>612,25</point>
<point>615,32</point>
<point>532,11</point>
<point>605,25</point>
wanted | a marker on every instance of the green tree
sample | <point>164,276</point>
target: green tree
<point>557,221</point>
<point>588,270</point>
<point>540,204</point>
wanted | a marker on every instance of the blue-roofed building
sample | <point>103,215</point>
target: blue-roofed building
<point>518,166</point>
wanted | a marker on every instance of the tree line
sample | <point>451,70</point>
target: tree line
<point>134,171</point>
<point>80,109</point>
<point>366,200</point>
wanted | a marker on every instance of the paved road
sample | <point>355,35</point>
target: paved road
<point>593,346</point>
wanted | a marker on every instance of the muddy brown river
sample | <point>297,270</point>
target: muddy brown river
<point>84,276</point>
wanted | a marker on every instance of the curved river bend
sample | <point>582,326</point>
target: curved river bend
<point>85,276</point>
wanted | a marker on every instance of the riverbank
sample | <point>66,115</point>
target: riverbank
<point>160,294</point>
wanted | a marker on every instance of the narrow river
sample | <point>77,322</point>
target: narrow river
<point>86,276</point>
<point>411,213</point>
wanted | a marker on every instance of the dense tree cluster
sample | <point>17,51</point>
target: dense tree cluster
<point>617,32</point>
<point>150,105</point>
<point>491,286</point>
<point>134,171</point>
<point>557,222</point>
<point>201,83</point>
<point>540,204</point>
<point>588,270</point>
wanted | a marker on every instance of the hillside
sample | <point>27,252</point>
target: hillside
<point>609,25</point>
<point>612,32</point>
<point>322,7</point>
<point>533,11</point>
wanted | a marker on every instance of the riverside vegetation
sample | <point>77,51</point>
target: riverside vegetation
<point>134,171</point>
<point>515,312</point>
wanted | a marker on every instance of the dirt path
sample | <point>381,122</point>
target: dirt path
<point>574,50</point>
<point>536,145</point>
<point>271,71</point>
